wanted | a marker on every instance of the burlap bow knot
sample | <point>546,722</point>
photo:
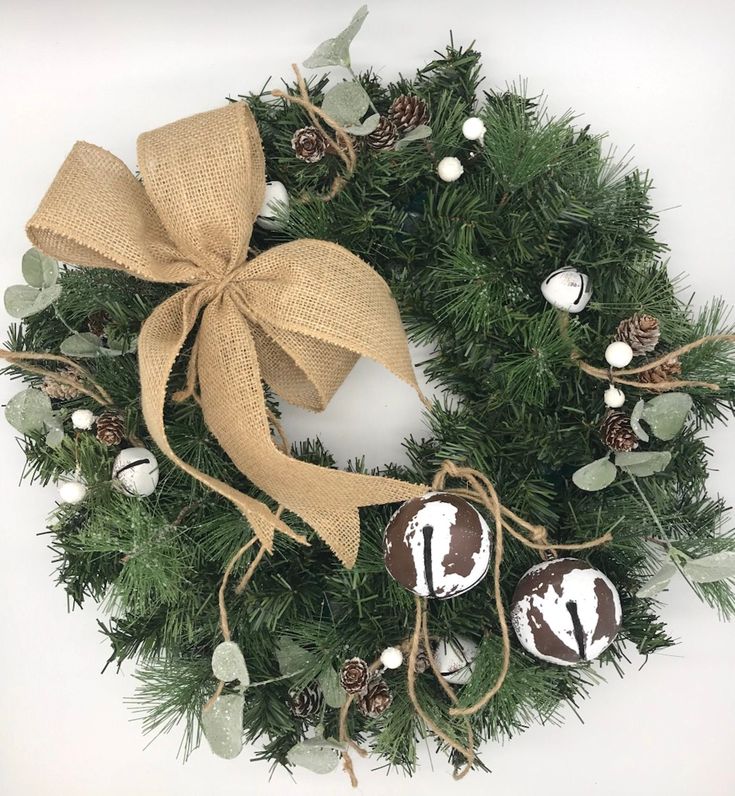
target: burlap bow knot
<point>297,316</point>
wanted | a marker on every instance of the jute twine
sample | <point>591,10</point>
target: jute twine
<point>297,316</point>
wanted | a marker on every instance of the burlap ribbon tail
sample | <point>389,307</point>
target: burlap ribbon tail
<point>297,316</point>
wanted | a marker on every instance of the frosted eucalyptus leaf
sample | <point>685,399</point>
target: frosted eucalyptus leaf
<point>334,694</point>
<point>39,270</point>
<point>658,581</point>
<point>366,127</point>
<point>292,659</point>
<point>346,103</point>
<point>81,344</point>
<point>228,664</point>
<point>222,725</point>
<point>336,51</point>
<point>596,475</point>
<point>718,566</point>
<point>29,410</point>
<point>55,437</point>
<point>422,131</point>
<point>643,463</point>
<point>319,755</point>
<point>635,421</point>
<point>24,300</point>
<point>666,414</point>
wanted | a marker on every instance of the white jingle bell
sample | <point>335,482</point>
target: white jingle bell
<point>473,129</point>
<point>136,470</point>
<point>614,397</point>
<point>83,419</point>
<point>72,491</point>
<point>455,659</point>
<point>391,658</point>
<point>274,210</point>
<point>567,289</point>
<point>618,354</point>
<point>450,169</point>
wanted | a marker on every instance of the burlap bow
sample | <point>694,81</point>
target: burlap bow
<point>297,316</point>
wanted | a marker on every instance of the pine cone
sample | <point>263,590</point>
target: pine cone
<point>110,428</point>
<point>308,144</point>
<point>307,701</point>
<point>407,113</point>
<point>354,675</point>
<point>640,332</point>
<point>376,699</point>
<point>59,390</point>
<point>617,432</point>
<point>422,660</point>
<point>97,321</point>
<point>666,371</point>
<point>384,135</point>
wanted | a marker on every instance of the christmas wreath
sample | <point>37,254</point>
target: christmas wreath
<point>266,594</point>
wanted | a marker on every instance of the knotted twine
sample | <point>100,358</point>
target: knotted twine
<point>297,316</point>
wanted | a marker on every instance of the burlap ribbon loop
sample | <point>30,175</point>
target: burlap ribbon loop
<point>297,316</point>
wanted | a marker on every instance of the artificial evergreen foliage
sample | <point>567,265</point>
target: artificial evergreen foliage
<point>465,262</point>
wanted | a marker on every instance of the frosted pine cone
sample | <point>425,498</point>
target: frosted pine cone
<point>408,112</point>
<point>110,428</point>
<point>617,432</point>
<point>376,699</point>
<point>60,390</point>
<point>308,144</point>
<point>307,701</point>
<point>640,332</point>
<point>670,370</point>
<point>384,136</point>
<point>354,675</point>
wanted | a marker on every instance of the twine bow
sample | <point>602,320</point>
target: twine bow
<point>297,316</point>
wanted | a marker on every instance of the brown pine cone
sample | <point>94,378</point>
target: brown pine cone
<point>376,699</point>
<point>308,144</point>
<point>422,660</point>
<point>110,428</point>
<point>354,675</point>
<point>669,370</point>
<point>383,136</point>
<point>617,432</point>
<point>59,390</point>
<point>640,332</point>
<point>307,701</point>
<point>408,112</point>
<point>97,321</point>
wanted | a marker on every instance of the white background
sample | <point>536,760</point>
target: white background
<point>657,75</point>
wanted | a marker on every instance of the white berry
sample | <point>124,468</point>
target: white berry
<point>614,398</point>
<point>450,169</point>
<point>473,129</point>
<point>72,491</point>
<point>275,206</point>
<point>391,658</point>
<point>618,354</point>
<point>82,419</point>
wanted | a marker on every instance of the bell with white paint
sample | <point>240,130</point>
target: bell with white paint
<point>567,289</point>
<point>455,659</point>
<point>437,545</point>
<point>273,213</point>
<point>565,611</point>
<point>136,471</point>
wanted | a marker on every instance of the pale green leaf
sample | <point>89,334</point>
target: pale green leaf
<point>81,344</point>
<point>291,658</point>
<point>718,566</point>
<point>666,414</point>
<point>222,725</point>
<point>319,755</point>
<point>422,131</point>
<point>39,270</point>
<point>346,103</point>
<point>334,694</point>
<point>366,127</point>
<point>658,581</point>
<point>55,437</point>
<point>228,664</point>
<point>336,51</point>
<point>596,475</point>
<point>643,463</point>
<point>635,421</point>
<point>24,300</point>
<point>29,411</point>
